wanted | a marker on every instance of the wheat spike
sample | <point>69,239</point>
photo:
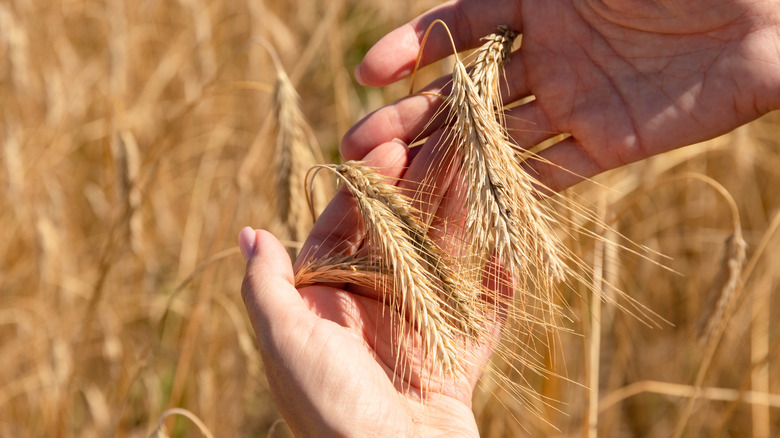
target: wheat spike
<point>504,215</point>
<point>488,64</point>
<point>296,152</point>
<point>723,289</point>
<point>429,293</point>
<point>503,211</point>
<point>460,296</point>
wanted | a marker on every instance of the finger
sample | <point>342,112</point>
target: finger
<point>411,118</point>
<point>417,116</point>
<point>308,365</point>
<point>430,175</point>
<point>393,57</point>
<point>338,229</point>
<point>268,292</point>
<point>267,289</point>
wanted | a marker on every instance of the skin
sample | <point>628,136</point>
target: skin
<point>627,79</point>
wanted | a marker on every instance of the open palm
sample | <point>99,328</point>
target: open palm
<point>626,78</point>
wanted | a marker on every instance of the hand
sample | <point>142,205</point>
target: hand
<point>326,350</point>
<point>626,78</point>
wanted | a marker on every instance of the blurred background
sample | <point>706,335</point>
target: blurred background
<point>137,140</point>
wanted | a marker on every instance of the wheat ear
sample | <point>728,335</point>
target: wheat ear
<point>501,203</point>
<point>488,66</point>
<point>427,292</point>
<point>296,152</point>
<point>459,295</point>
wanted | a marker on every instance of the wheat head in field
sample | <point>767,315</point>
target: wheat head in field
<point>137,138</point>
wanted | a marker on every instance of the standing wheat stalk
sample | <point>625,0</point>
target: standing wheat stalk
<point>296,151</point>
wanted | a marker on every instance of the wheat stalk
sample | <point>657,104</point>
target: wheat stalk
<point>296,151</point>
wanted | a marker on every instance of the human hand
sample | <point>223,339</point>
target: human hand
<point>328,353</point>
<point>627,79</point>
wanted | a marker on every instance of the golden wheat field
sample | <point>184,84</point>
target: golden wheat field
<point>138,139</point>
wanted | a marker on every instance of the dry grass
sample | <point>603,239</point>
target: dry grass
<point>135,140</point>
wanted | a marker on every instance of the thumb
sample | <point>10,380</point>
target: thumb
<point>268,289</point>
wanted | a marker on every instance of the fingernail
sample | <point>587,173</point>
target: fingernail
<point>247,241</point>
<point>399,141</point>
<point>358,76</point>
